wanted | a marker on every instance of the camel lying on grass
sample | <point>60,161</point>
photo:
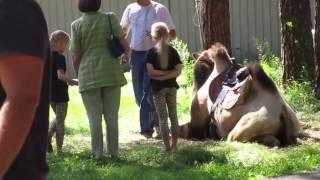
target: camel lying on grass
<point>237,103</point>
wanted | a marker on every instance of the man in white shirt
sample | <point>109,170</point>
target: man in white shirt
<point>138,18</point>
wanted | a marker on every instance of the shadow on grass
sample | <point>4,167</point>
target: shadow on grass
<point>76,131</point>
<point>138,160</point>
<point>146,159</point>
<point>186,156</point>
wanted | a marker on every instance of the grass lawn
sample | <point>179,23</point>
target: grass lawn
<point>145,159</point>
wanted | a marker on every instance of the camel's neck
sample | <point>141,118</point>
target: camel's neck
<point>217,70</point>
<point>220,68</point>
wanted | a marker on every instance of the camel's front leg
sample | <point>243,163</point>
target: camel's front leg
<point>243,131</point>
<point>199,119</point>
<point>250,126</point>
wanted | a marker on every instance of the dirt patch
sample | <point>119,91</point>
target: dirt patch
<point>309,136</point>
<point>310,128</point>
<point>305,176</point>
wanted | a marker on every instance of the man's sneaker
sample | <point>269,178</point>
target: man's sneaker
<point>146,135</point>
<point>158,136</point>
<point>158,133</point>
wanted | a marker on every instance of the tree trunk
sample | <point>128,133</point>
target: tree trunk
<point>296,40</point>
<point>317,49</point>
<point>215,23</point>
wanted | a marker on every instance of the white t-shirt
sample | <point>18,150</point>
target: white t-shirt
<point>140,19</point>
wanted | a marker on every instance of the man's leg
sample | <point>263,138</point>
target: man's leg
<point>148,113</point>
<point>145,106</point>
<point>137,74</point>
<point>141,85</point>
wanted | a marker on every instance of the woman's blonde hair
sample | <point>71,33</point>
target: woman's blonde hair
<point>160,33</point>
<point>59,35</point>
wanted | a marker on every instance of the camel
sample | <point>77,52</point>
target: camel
<point>237,103</point>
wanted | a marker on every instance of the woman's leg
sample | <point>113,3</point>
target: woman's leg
<point>111,104</point>
<point>61,113</point>
<point>161,109</point>
<point>171,100</point>
<point>92,101</point>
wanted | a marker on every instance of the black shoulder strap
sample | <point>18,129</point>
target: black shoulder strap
<point>110,24</point>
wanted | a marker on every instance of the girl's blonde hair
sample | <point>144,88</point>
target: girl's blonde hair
<point>59,35</point>
<point>160,33</point>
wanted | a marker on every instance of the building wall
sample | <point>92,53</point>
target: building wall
<point>250,20</point>
<point>253,20</point>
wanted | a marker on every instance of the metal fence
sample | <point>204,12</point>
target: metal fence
<point>251,20</point>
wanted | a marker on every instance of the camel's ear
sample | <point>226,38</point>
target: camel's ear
<point>195,55</point>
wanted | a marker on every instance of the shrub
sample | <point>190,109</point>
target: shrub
<point>298,94</point>
<point>300,97</point>
<point>186,78</point>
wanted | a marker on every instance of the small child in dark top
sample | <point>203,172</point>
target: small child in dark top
<point>59,42</point>
<point>164,66</point>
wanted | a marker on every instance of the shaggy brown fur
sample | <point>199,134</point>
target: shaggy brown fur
<point>202,69</point>
<point>260,76</point>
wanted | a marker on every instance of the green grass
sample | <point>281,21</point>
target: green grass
<point>145,159</point>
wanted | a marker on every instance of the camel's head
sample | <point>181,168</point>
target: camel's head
<point>218,53</point>
<point>202,69</point>
<point>202,56</point>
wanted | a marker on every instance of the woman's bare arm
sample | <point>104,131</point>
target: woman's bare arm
<point>63,77</point>
<point>76,58</point>
<point>126,48</point>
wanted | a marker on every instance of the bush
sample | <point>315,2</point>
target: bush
<point>270,62</point>
<point>274,69</point>
<point>298,94</point>
<point>300,97</point>
<point>186,78</point>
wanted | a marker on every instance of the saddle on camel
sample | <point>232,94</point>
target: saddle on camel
<point>237,103</point>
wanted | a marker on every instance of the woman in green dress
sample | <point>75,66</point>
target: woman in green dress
<point>100,74</point>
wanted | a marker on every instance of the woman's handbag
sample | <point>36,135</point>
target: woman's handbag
<point>116,49</point>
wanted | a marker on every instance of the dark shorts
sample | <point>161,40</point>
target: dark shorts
<point>23,28</point>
